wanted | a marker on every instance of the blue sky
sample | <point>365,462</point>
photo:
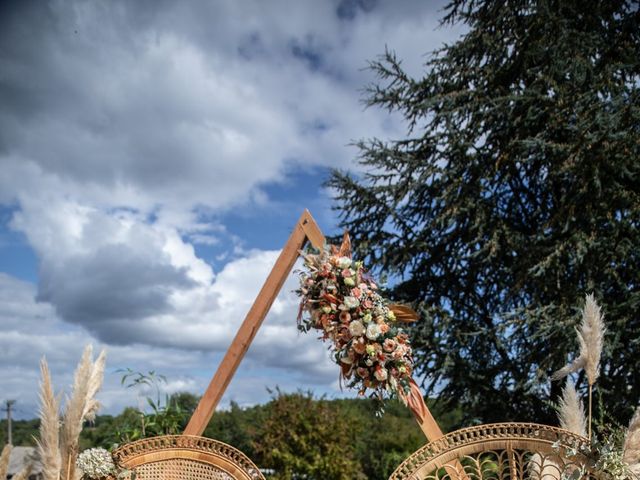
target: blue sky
<point>154,157</point>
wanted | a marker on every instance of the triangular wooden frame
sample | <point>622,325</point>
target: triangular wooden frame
<point>306,229</point>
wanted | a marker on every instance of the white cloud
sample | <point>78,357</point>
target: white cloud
<point>186,346</point>
<point>197,104</point>
<point>127,129</point>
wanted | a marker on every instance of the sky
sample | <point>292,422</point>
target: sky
<point>154,157</point>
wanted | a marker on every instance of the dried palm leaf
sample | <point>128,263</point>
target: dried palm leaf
<point>403,313</point>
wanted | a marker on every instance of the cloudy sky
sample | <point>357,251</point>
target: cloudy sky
<point>154,156</point>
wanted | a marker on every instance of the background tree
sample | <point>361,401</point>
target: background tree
<point>515,192</point>
<point>304,438</point>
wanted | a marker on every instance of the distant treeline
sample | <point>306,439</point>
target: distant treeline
<point>293,432</point>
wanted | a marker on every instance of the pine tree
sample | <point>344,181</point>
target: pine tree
<point>515,192</point>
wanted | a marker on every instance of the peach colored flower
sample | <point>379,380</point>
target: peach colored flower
<point>400,351</point>
<point>359,346</point>
<point>389,345</point>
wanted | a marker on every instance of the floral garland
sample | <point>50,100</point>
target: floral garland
<point>368,343</point>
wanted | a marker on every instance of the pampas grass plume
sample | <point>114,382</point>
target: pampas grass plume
<point>590,337</point>
<point>95,383</point>
<point>571,411</point>
<point>631,447</point>
<point>48,443</point>
<point>81,406</point>
<point>24,473</point>
<point>4,460</point>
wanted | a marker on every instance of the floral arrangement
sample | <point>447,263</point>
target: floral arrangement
<point>342,301</point>
<point>96,463</point>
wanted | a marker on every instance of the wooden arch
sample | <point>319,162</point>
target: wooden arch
<point>306,229</point>
<point>176,457</point>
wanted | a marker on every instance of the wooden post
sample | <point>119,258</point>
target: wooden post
<point>305,228</point>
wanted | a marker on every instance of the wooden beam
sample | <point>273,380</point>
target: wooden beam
<point>312,230</point>
<point>305,228</point>
<point>415,402</point>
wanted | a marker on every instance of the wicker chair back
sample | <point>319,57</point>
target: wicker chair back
<point>185,457</point>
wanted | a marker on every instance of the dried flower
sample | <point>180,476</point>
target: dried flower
<point>339,299</point>
<point>590,337</point>
<point>631,448</point>
<point>96,463</point>
<point>571,411</point>
<point>356,328</point>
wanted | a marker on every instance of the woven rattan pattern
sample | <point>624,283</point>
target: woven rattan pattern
<point>180,469</point>
<point>498,451</point>
<point>173,457</point>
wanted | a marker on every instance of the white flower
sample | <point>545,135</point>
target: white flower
<point>351,302</point>
<point>96,463</point>
<point>356,328</point>
<point>344,262</point>
<point>380,374</point>
<point>373,331</point>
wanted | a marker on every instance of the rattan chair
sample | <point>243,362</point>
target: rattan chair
<point>499,451</point>
<point>185,457</point>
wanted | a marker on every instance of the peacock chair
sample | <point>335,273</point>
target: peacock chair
<point>499,451</point>
<point>185,457</point>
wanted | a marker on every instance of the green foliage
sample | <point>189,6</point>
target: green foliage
<point>167,416</point>
<point>300,426</point>
<point>238,427</point>
<point>373,445</point>
<point>382,441</point>
<point>303,437</point>
<point>515,192</point>
<point>22,434</point>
